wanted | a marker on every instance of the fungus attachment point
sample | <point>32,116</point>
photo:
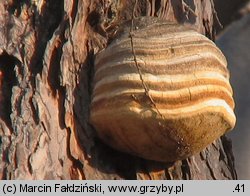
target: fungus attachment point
<point>161,92</point>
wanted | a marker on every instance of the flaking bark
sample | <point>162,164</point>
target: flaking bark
<point>47,50</point>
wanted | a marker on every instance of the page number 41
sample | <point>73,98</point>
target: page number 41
<point>239,188</point>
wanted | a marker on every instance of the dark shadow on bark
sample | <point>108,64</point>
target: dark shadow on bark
<point>8,80</point>
<point>54,67</point>
<point>98,154</point>
<point>44,26</point>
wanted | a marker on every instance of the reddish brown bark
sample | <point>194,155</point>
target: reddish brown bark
<point>46,58</point>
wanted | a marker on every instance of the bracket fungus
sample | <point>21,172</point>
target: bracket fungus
<point>161,91</point>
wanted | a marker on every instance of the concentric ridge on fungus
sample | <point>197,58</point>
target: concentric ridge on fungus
<point>166,98</point>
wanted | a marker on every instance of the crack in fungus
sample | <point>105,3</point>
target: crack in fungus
<point>137,66</point>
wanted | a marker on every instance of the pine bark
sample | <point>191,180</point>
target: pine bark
<point>47,51</point>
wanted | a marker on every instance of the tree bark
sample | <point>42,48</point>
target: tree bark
<point>46,66</point>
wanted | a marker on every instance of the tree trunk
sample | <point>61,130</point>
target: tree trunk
<point>46,66</point>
